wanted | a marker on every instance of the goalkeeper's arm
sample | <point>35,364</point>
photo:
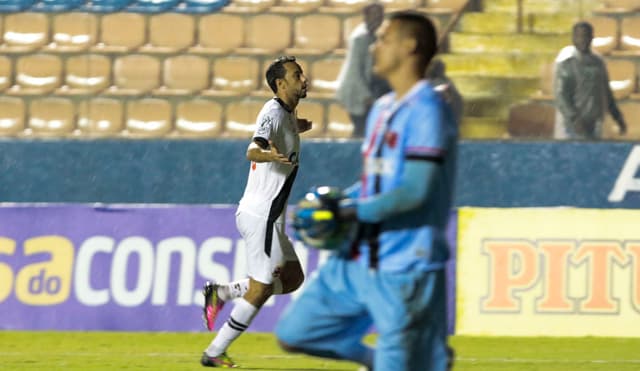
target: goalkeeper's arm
<point>414,188</point>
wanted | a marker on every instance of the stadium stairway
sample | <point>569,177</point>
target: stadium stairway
<point>495,65</point>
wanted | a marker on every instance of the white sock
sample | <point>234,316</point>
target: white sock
<point>233,290</point>
<point>239,320</point>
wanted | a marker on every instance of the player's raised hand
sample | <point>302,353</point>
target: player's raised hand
<point>276,156</point>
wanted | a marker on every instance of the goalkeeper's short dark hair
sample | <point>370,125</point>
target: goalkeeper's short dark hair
<point>277,71</point>
<point>420,28</point>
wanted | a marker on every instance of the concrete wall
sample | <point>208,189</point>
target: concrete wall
<point>491,173</point>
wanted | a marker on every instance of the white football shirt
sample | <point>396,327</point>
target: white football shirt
<point>269,183</point>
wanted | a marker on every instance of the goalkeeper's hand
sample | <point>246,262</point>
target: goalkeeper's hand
<point>322,219</point>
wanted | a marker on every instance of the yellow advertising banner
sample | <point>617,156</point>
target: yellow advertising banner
<point>548,272</point>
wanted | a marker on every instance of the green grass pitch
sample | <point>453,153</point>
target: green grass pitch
<point>21,350</point>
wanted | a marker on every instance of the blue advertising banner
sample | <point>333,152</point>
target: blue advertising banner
<point>490,173</point>
<point>133,268</point>
<point>535,174</point>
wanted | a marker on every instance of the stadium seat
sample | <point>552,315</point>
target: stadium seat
<point>348,25</point>
<point>631,112</point>
<point>233,76</point>
<point>266,34</point>
<point>12,112</point>
<point>200,6</point>
<point>339,123</point>
<point>297,6</point>
<point>241,118</point>
<point>121,33</point>
<point>630,34</point>
<point>324,74</point>
<point>249,6</point>
<point>621,6</point>
<point>531,120</point>
<point>148,117</point>
<point>24,32</point>
<point>100,117</point>
<point>313,111</point>
<point>391,5</point>
<point>56,6</point>
<point>605,37</point>
<point>6,73</point>
<point>86,74</point>
<point>15,6</point>
<point>344,6</point>
<point>198,118</point>
<point>219,34</point>
<point>104,6</point>
<point>443,6</point>
<point>316,34</point>
<point>135,74</point>
<point>37,74</point>
<point>170,33</point>
<point>73,32</point>
<point>622,77</point>
<point>51,117</point>
<point>152,6</point>
<point>184,74</point>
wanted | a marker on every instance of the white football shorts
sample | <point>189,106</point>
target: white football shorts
<point>268,247</point>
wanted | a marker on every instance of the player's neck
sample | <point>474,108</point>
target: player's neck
<point>401,83</point>
<point>289,102</point>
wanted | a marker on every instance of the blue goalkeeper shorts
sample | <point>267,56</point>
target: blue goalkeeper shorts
<point>339,305</point>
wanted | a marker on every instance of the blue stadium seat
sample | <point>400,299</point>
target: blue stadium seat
<point>54,6</point>
<point>13,6</point>
<point>152,6</point>
<point>105,6</point>
<point>201,6</point>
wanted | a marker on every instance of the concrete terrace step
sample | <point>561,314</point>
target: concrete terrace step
<point>506,23</point>
<point>507,43</point>
<point>499,65</point>
<point>483,128</point>
<point>580,8</point>
<point>489,106</point>
<point>485,86</point>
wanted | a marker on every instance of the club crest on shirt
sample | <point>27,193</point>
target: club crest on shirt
<point>391,138</point>
<point>265,124</point>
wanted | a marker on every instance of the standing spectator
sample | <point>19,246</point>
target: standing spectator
<point>392,275</point>
<point>358,87</point>
<point>581,90</point>
<point>273,266</point>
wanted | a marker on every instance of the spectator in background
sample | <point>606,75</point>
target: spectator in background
<point>358,87</point>
<point>436,75</point>
<point>581,90</point>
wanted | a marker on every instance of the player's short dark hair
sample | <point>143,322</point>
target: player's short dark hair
<point>583,24</point>
<point>422,30</point>
<point>277,71</point>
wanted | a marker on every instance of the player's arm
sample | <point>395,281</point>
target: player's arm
<point>563,93</point>
<point>263,150</point>
<point>354,190</point>
<point>417,179</point>
<point>611,104</point>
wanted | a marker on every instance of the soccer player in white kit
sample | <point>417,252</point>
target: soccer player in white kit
<point>273,267</point>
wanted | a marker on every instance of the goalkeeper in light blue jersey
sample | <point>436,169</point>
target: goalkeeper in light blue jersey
<point>392,276</point>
